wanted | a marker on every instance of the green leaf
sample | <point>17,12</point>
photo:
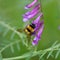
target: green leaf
<point>1,57</point>
<point>57,54</point>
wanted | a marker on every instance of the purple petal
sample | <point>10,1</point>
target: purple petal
<point>40,30</point>
<point>37,7</point>
<point>33,14</point>
<point>25,19</point>
<point>34,42</point>
<point>31,4</point>
<point>37,19</point>
<point>38,25</point>
<point>37,37</point>
<point>28,17</point>
<point>27,13</point>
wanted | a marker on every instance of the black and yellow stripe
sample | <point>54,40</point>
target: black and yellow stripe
<point>30,29</point>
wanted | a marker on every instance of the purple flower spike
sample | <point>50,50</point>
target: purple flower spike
<point>31,14</point>
<point>31,4</point>
<point>37,25</point>
<point>37,37</point>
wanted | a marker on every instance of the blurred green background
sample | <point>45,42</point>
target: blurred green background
<point>11,13</point>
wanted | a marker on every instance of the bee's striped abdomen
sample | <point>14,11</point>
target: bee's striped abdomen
<point>30,29</point>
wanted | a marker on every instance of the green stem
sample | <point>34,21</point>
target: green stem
<point>12,29</point>
<point>34,53</point>
<point>8,46</point>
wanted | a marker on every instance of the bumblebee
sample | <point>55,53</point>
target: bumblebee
<point>30,29</point>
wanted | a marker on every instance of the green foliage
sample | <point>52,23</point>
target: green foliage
<point>14,45</point>
<point>0,56</point>
<point>41,53</point>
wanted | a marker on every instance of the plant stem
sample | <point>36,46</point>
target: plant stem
<point>57,47</point>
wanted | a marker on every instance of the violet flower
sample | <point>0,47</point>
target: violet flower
<point>38,36</point>
<point>31,14</point>
<point>37,7</point>
<point>31,4</point>
<point>38,30</point>
<point>39,24</point>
